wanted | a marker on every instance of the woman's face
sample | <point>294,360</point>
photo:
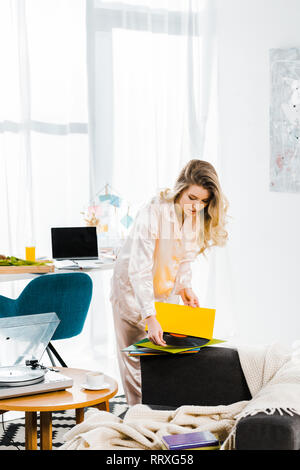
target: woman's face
<point>193,199</point>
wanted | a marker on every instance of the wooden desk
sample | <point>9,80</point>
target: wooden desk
<point>75,397</point>
<point>20,277</point>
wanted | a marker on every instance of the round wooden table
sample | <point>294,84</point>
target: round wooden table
<point>75,397</point>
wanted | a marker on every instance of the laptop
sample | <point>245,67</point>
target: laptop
<point>74,243</point>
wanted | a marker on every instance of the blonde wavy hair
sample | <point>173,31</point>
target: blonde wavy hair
<point>202,173</point>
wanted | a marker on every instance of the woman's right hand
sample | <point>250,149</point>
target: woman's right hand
<point>155,332</point>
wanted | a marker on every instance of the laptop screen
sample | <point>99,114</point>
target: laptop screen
<point>74,243</point>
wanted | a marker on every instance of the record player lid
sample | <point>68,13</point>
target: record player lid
<point>25,337</point>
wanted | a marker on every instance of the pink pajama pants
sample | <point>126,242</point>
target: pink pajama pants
<point>128,333</point>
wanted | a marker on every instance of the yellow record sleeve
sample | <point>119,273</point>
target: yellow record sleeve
<point>185,320</point>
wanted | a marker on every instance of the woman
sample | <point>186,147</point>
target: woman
<point>154,264</point>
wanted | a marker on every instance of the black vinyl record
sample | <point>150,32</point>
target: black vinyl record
<point>184,341</point>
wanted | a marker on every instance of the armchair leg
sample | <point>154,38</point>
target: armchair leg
<point>53,350</point>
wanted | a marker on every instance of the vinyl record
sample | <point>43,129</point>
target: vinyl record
<point>16,376</point>
<point>180,341</point>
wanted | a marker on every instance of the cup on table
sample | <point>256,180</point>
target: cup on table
<point>30,253</point>
<point>94,379</point>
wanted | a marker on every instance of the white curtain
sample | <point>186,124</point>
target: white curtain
<point>43,121</point>
<point>152,73</point>
<point>44,150</point>
<point>44,146</point>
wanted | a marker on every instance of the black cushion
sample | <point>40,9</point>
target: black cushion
<point>211,377</point>
<point>268,432</point>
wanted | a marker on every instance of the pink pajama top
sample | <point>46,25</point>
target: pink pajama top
<point>154,261</point>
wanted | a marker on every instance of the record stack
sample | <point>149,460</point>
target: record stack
<point>186,331</point>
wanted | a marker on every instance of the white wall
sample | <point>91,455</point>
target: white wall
<point>264,246</point>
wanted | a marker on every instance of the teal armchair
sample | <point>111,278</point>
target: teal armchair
<point>68,295</point>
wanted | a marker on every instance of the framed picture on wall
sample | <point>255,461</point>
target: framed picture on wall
<point>285,120</point>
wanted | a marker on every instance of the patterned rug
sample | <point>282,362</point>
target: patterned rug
<point>12,433</point>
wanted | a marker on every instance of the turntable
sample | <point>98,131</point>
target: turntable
<point>23,341</point>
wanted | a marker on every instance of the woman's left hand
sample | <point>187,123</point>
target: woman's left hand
<point>189,297</point>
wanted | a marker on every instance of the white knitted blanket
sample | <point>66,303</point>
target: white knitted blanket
<point>273,378</point>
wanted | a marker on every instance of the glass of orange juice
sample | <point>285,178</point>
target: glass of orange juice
<point>30,253</point>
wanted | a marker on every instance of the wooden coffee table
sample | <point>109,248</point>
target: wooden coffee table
<point>75,397</point>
